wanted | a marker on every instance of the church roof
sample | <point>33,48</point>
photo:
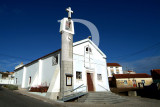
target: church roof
<point>140,75</point>
<point>113,64</point>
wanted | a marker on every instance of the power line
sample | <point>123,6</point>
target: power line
<point>1,54</point>
<point>138,52</point>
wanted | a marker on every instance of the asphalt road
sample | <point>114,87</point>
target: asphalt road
<point>13,99</point>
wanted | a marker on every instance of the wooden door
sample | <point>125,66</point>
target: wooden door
<point>90,82</point>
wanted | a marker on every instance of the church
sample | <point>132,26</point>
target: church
<point>76,67</point>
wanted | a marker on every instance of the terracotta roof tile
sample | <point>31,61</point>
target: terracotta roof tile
<point>140,75</point>
<point>113,64</point>
<point>155,73</point>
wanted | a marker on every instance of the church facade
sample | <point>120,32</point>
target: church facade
<point>89,70</point>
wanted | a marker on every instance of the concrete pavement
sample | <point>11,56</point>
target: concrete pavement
<point>21,98</point>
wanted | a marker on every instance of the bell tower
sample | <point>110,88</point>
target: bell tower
<point>66,68</point>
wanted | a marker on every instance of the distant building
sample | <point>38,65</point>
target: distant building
<point>6,77</point>
<point>114,68</point>
<point>129,72</point>
<point>155,73</point>
<point>20,65</point>
<point>5,74</point>
<point>131,80</point>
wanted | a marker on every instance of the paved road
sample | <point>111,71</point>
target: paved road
<point>13,99</point>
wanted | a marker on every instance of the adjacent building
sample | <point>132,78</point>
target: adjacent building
<point>114,68</point>
<point>7,77</point>
<point>129,72</point>
<point>155,73</point>
<point>131,80</point>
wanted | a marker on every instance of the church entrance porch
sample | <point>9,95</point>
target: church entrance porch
<point>90,82</point>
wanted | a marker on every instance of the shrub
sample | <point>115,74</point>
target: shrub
<point>11,87</point>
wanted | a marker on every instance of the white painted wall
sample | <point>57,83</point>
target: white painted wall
<point>114,68</point>
<point>31,71</point>
<point>42,71</point>
<point>7,81</point>
<point>48,69</point>
<point>19,76</point>
<point>97,65</point>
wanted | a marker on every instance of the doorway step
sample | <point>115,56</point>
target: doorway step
<point>101,97</point>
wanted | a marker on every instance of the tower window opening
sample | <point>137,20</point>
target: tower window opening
<point>88,49</point>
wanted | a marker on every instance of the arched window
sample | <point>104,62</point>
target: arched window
<point>30,80</point>
<point>16,80</point>
<point>88,49</point>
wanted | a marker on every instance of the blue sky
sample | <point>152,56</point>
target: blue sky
<point>129,30</point>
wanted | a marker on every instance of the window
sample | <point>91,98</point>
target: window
<point>78,75</point>
<point>112,72</point>
<point>143,81</point>
<point>88,49</point>
<point>117,71</point>
<point>99,76</point>
<point>125,82</point>
<point>55,60</point>
<point>68,25</point>
<point>16,80</point>
<point>29,80</point>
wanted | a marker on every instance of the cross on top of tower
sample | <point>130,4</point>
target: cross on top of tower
<point>69,12</point>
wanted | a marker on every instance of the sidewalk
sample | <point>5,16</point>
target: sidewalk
<point>44,99</point>
<point>132,102</point>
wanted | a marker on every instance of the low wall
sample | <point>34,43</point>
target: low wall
<point>6,81</point>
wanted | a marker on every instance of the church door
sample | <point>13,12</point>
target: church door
<point>90,82</point>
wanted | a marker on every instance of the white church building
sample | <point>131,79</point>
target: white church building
<point>88,59</point>
<point>74,65</point>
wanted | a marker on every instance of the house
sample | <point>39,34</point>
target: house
<point>89,70</point>
<point>129,72</point>
<point>114,68</point>
<point>155,73</point>
<point>6,77</point>
<point>131,80</point>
